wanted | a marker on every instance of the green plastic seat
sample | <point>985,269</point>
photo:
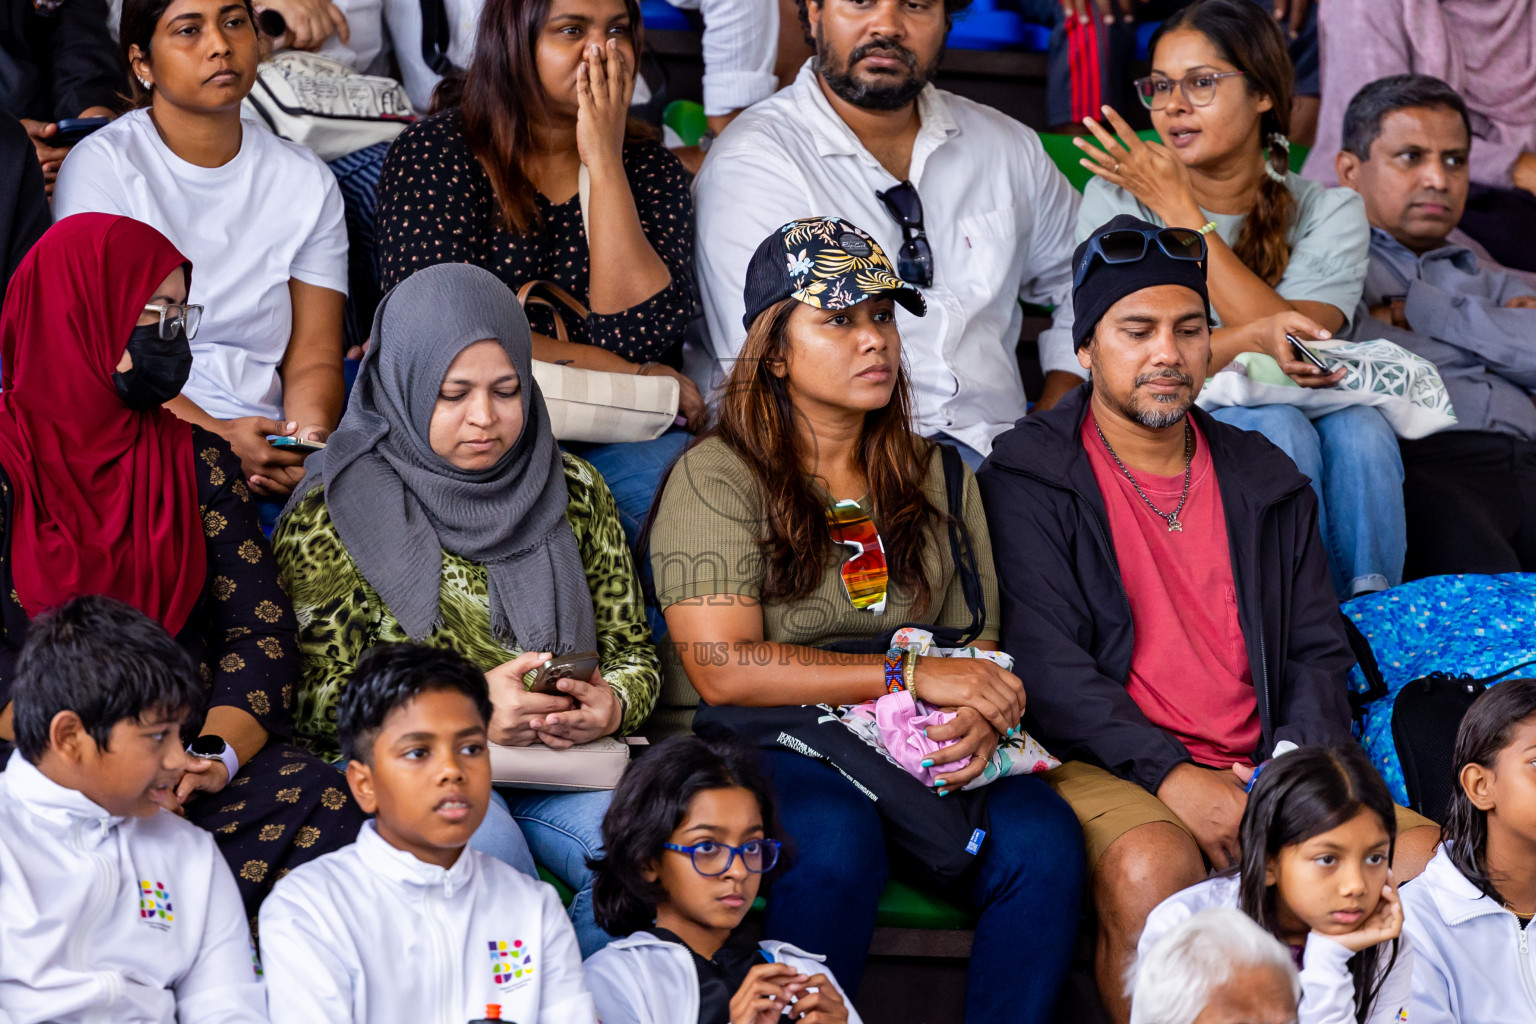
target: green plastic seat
<point>687,119</point>
<point>904,906</point>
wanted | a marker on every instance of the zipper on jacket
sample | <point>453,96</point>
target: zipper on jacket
<point>1114,563</point>
<point>1526,981</point>
<point>444,961</point>
<point>101,900</point>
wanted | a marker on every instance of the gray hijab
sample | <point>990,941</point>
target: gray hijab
<point>398,505</point>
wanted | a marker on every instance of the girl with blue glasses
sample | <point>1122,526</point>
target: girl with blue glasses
<point>688,838</point>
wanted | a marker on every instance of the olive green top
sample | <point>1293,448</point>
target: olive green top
<point>341,615</point>
<point>704,542</point>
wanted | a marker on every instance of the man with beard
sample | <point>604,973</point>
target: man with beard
<point>1470,492</point>
<point>977,214</point>
<point>1163,581</point>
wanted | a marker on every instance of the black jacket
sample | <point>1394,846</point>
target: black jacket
<point>24,214</point>
<point>1067,620</point>
<point>54,65</point>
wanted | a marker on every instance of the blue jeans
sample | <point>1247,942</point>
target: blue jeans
<point>633,472</point>
<point>1027,886</point>
<point>498,836</point>
<point>1355,466</point>
<point>563,830</point>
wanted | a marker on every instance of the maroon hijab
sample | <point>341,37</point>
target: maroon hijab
<point>105,497</point>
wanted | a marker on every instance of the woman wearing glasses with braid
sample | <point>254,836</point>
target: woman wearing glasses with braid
<point>812,515</point>
<point>1286,256</point>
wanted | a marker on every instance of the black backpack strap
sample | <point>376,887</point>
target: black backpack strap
<point>961,549</point>
<point>436,36</point>
<point>1376,685</point>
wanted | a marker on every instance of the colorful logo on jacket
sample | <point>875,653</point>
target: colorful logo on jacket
<point>155,902</point>
<point>511,962</point>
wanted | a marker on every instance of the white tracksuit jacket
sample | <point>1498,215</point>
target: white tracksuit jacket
<point>642,979</point>
<point>372,935</point>
<point>1327,988</point>
<point>120,920</point>
<point>1475,962</point>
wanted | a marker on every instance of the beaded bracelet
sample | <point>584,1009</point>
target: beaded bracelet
<point>894,672</point>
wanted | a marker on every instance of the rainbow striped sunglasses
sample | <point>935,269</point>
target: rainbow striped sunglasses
<point>864,571</point>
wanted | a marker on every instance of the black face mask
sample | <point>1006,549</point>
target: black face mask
<point>160,368</point>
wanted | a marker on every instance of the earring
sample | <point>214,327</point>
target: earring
<point>145,83</point>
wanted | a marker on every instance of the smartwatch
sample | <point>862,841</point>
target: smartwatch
<point>213,748</point>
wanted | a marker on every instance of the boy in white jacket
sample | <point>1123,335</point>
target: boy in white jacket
<point>408,925</point>
<point>115,909</point>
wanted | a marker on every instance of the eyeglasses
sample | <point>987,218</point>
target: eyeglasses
<point>864,573</point>
<point>174,314</point>
<point>915,261</point>
<point>1127,245</point>
<point>1198,87</point>
<point>711,858</point>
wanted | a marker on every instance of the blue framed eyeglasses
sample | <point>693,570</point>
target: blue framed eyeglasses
<point>1128,245</point>
<point>711,858</point>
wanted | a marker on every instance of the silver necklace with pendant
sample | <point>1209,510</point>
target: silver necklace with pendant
<point>1171,518</point>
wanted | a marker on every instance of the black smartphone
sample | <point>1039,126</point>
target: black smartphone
<point>293,444</point>
<point>565,666</point>
<point>73,129</point>
<point>1306,354</point>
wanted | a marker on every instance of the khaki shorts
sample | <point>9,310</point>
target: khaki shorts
<point>1108,806</point>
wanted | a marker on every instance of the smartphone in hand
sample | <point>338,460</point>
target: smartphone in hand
<point>1306,354</point>
<point>73,129</point>
<point>565,666</point>
<point>294,444</point>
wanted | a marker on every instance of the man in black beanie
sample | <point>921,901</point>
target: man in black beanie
<point>1163,580</point>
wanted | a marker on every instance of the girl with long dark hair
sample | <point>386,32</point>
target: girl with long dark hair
<point>1470,912</point>
<point>691,834</point>
<point>813,516</point>
<point>1317,838</point>
<point>1286,256</point>
<point>536,173</point>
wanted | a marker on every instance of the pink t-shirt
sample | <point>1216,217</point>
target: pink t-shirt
<point>1189,668</point>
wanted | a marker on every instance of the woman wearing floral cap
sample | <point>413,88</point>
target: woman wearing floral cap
<point>813,516</point>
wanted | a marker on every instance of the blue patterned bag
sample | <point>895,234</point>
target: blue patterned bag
<point>1477,626</point>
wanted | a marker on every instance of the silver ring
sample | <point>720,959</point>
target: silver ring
<point>1117,168</point>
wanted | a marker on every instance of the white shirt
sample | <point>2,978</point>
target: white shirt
<point>1327,987</point>
<point>366,50</point>
<point>741,45</point>
<point>404,20</point>
<point>1475,962</point>
<point>373,935</point>
<point>127,920</point>
<point>642,979</point>
<point>997,212</point>
<point>272,213</point>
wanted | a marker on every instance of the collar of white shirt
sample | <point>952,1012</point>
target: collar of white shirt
<point>835,138</point>
<point>405,868</point>
<point>52,802</point>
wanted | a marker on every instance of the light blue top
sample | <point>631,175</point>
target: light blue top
<point>1330,238</point>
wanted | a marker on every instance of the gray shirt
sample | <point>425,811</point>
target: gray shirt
<point>1486,354</point>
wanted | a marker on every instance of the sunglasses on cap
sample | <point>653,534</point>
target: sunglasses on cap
<point>1129,245</point>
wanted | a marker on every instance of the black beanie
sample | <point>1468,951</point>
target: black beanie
<point>1107,283</point>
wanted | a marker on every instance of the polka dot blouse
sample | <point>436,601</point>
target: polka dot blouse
<point>436,205</point>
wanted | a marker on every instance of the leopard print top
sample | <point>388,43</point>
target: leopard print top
<point>341,616</point>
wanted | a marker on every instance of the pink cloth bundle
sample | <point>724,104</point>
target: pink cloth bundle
<point>901,722</point>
